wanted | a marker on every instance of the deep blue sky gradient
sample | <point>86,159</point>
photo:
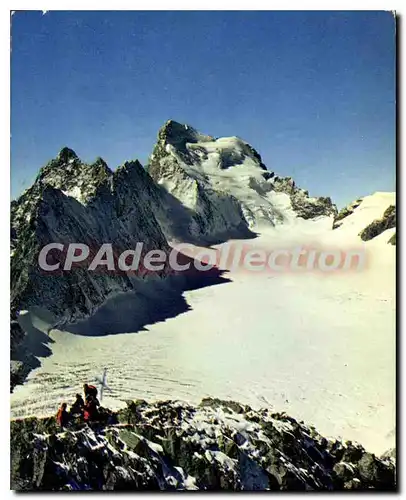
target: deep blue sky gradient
<point>313,92</point>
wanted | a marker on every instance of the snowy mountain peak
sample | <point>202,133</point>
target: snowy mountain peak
<point>74,202</point>
<point>187,140</point>
<point>75,178</point>
<point>178,134</point>
<point>223,182</point>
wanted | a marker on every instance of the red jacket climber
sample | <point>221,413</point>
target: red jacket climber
<point>91,393</point>
<point>90,409</point>
<point>62,417</point>
<point>90,390</point>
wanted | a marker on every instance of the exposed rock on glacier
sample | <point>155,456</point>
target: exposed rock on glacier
<point>392,239</point>
<point>345,212</point>
<point>303,205</point>
<point>219,445</point>
<point>224,185</point>
<point>371,219</point>
<point>378,226</point>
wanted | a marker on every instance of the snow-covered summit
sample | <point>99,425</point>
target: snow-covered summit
<point>224,183</point>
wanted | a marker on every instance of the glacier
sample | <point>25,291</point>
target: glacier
<point>319,346</point>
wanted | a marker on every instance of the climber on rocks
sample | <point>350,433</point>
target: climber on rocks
<point>62,417</point>
<point>91,412</point>
<point>90,392</point>
<point>77,408</point>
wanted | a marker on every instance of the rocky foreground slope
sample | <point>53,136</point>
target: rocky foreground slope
<point>218,445</point>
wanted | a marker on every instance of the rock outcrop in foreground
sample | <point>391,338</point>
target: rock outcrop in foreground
<point>170,445</point>
<point>378,226</point>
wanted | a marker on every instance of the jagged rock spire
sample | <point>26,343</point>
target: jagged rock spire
<point>66,154</point>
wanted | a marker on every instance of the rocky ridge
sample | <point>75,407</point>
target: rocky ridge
<point>169,445</point>
<point>73,202</point>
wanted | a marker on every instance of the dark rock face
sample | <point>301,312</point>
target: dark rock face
<point>302,204</point>
<point>392,239</point>
<point>169,445</point>
<point>76,203</point>
<point>345,212</point>
<point>72,202</point>
<point>178,135</point>
<point>378,226</point>
<point>308,209</point>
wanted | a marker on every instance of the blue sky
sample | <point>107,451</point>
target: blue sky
<point>313,92</point>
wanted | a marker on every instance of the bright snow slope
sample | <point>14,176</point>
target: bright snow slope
<point>319,346</point>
